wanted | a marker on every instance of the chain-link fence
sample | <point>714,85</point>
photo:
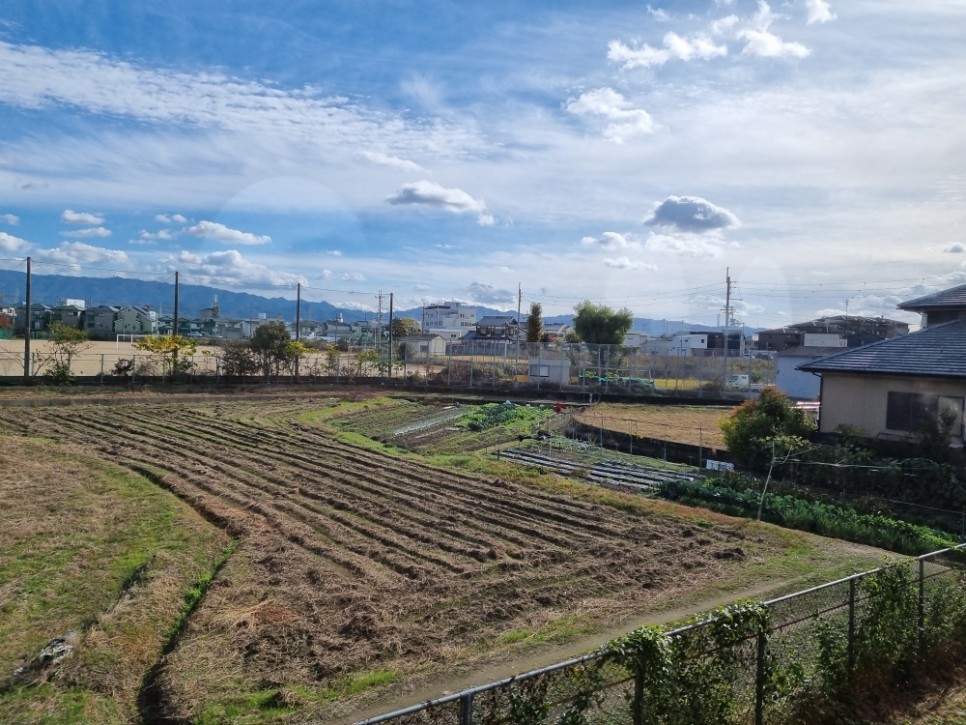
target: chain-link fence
<point>815,642</point>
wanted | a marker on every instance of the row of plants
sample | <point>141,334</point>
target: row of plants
<point>732,495</point>
<point>737,666</point>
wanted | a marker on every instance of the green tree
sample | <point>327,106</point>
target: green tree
<point>535,322</point>
<point>68,342</point>
<point>174,352</point>
<point>238,359</point>
<point>270,345</point>
<point>404,326</point>
<point>759,430</point>
<point>600,325</point>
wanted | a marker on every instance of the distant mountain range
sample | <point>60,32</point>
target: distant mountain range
<point>52,289</point>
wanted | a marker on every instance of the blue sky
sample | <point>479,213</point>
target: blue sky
<point>622,152</point>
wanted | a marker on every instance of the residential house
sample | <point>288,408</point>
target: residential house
<point>135,320</point>
<point>99,322</point>
<point>40,316</point>
<point>885,388</point>
<point>497,327</point>
<point>856,330</point>
<point>69,313</point>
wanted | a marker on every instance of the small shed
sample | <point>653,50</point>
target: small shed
<point>554,370</point>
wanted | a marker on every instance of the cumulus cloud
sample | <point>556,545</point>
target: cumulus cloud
<point>77,254</point>
<point>353,277</point>
<point>79,217</point>
<point>611,241</point>
<point>89,233</point>
<point>325,274</point>
<point>10,243</point>
<point>170,219</point>
<point>760,41</point>
<point>627,263</point>
<point>377,157</point>
<point>227,235</point>
<point>623,121</point>
<point>455,201</point>
<point>819,11</point>
<point>146,237</point>
<point>675,47</point>
<point>488,294</point>
<point>658,13</point>
<point>11,219</point>
<point>955,249</point>
<point>228,268</point>
<point>691,214</point>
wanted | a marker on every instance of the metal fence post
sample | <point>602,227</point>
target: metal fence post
<point>922,605</point>
<point>466,709</point>
<point>851,642</point>
<point>760,679</point>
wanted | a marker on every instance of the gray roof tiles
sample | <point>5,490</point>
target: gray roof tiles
<point>954,297</point>
<point>938,351</point>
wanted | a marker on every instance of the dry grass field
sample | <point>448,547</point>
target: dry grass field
<point>694,425</point>
<point>359,577</point>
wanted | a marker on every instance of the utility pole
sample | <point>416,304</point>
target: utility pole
<point>727,311</point>
<point>516,359</point>
<point>176,305</point>
<point>26,329</point>
<point>390,334</point>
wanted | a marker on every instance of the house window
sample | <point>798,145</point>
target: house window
<point>906,411</point>
<point>539,371</point>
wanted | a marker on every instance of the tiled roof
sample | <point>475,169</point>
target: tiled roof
<point>952,297</point>
<point>938,351</point>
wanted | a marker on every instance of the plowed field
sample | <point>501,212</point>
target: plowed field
<point>356,567</point>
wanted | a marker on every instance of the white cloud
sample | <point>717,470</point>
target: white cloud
<point>819,11</point>
<point>228,268</point>
<point>627,263</point>
<point>760,41</point>
<point>334,252</point>
<point>325,274</point>
<point>78,217</point>
<point>722,25</point>
<point>658,14</point>
<point>227,235</point>
<point>623,121</point>
<point>377,157</point>
<point>353,277</point>
<point>955,249</point>
<point>11,219</point>
<point>487,294</point>
<point>691,214</point>
<point>766,44</point>
<point>429,193</point>
<point>611,241</point>
<point>79,254</point>
<point>146,237</point>
<point>10,243</point>
<point>685,245</point>
<point>170,219</point>
<point>676,47</point>
<point>90,233</point>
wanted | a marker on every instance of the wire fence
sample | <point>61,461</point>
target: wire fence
<point>774,669</point>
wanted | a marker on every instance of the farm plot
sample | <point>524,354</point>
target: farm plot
<point>356,568</point>
<point>438,429</point>
<point>692,425</point>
